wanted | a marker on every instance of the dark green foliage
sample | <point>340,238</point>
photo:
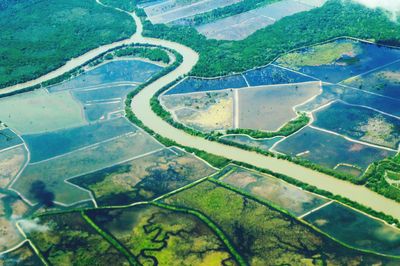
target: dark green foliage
<point>156,54</point>
<point>333,20</point>
<point>375,177</point>
<point>127,5</point>
<point>40,36</point>
<point>288,129</point>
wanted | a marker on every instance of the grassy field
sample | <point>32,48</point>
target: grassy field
<point>320,55</point>
<point>66,239</point>
<point>144,178</point>
<point>161,237</point>
<point>23,255</point>
<point>262,235</point>
<point>39,36</point>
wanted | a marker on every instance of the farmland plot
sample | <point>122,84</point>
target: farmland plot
<point>357,229</point>
<point>193,84</point>
<point>55,171</point>
<point>40,111</point>
<point>339,60</point>
<point>23,255</point>
<point>287,196</point>
<point>270,107</point>
<point>144,178</point>
<point>46,145</point>
<point>330,150</point>
<point>11,163</point>
<point>117,71</point>
<point>67,239</point>
<point>262,234</point>
<point>384,81</point>
<point>163,237</point>
<point>8,139</point>
<point>360,123</point>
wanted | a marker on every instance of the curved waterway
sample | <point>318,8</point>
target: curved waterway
<point>142,109</point>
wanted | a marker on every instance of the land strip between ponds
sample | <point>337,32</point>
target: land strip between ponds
<point>142,109</point>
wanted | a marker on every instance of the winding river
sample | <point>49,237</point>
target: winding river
<point>142,109</point>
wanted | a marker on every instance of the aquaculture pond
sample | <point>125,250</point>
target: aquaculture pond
<point>269,108</point>
<point>53,172</point>
<point>8,139</point>
<point>353,96</point>
<point>144,178</point>
<point>360,123</point>
<point>40,111</point>
<point>289,197</point>
<point>272,75</point>
<point>384,81</point>
<point>356,229</point>
<point>119,71</point>
<point>23,255</point>
<point>50,144</point>
<point>339,60</point>
<point>330,150</point>
<point>193,84</point>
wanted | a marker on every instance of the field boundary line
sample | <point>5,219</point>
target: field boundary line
<point>316,209</point>
<point>17,246</point>
<point>35,249</point>
<point>12,147</point>
<point>370,71</point>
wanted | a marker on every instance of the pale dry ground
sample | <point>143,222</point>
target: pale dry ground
<point>11,161</point>
<point>218,116</point>
<point>9,235</point>
<point>205,111</point>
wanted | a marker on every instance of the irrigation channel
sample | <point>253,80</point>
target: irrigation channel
<point>142,109</point>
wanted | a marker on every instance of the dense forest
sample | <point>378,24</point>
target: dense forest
<point>334,19</point>
<point>39,36</point>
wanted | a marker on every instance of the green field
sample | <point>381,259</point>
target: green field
<point>161,237</point>
<point>67,239</point>
<point>262,235</point>
<point>23,255</point>
<point>145,178</point>
<point>39,36</point>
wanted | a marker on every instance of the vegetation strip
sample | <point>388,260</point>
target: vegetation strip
<point>211,224</point>
<point>111,240</point>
